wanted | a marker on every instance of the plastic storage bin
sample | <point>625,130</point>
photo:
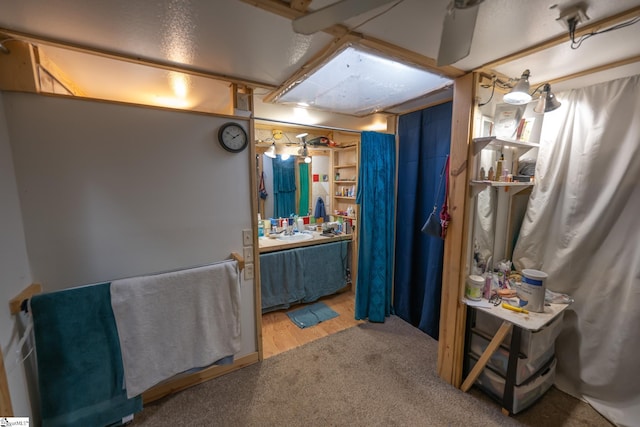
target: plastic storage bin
<point>533,345</point>
<point>499,361</point>
<point>523,395</point>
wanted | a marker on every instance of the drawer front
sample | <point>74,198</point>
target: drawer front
<point>533,344</point>
<point>499,361</point>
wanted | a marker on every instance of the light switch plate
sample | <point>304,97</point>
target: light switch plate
<point>247,237</point>
<point>248,271</point>
<point>248,254</point>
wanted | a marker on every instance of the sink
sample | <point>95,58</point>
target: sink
<point>297,237</point>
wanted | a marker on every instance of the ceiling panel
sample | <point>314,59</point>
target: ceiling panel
<point>237,39</point>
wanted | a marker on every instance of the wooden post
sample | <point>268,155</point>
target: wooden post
<point>6,410</point>
<point>452,311</point>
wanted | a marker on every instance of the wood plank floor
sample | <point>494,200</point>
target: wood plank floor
<point>280,334</point>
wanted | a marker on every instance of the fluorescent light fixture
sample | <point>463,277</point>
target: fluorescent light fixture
<point>359,82</point>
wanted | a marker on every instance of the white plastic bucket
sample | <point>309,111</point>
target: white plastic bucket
<point>531,290</point>
<point>473,290</point>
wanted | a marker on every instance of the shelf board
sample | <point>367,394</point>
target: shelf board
<point>515,187</point>
<point>343,216</point>
<point>350,165</point>
<point>344,197</point>
<point>502,183</point>
<point>346,182</point>
<point>496,143</point>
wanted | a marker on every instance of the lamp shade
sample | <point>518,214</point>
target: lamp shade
<point>547,102</point>
<point>271,151</point>
<point>520,93</point>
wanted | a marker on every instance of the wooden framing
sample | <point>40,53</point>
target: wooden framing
<point>452,311</point>
<point>163,65</point>
<point>6,410</point>
<point>18,68</point>
<point>595,26</point>
<point>343,36</point>
<point>180,383</point>
<point>26,293</point>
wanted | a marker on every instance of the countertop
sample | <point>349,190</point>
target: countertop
<point>268,244</point>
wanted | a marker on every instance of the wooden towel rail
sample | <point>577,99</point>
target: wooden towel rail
<point>239,258</point>
<point>16,302</point>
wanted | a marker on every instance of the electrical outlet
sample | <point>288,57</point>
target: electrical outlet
<point>248,271</point>
<point>247,237</point>
<point>248,254</point>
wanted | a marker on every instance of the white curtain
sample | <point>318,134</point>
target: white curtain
<point>582,227</point>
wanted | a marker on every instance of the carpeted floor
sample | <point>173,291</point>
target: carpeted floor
<point>369,375</point>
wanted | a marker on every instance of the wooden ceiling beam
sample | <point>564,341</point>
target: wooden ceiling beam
<point>547,44</point>
<point>605,67</point>
<point>301,5</point>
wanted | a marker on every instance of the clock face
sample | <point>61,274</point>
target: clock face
<point>233,137</point>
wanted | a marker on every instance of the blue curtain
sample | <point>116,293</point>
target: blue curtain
<point>376,188</point>
<point>424,141</point>
<point>284,187</point>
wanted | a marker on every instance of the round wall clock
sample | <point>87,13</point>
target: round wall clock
<point>233,137</point>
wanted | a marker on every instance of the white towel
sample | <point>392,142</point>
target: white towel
<point>172,322</point>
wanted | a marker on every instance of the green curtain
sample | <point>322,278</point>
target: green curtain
<point>303,204</point>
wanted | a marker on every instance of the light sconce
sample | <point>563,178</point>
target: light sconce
<point>548,101</point>
<point>285,156</point>
<point>271,151</point>
<point>304,151</point>
<point>520,93</point>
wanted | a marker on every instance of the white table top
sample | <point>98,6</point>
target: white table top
<point>530,321</point>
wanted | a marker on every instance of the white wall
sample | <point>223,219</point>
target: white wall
<point>111,191</point>
<point>14,270</point>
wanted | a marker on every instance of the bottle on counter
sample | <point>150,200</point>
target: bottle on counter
<point>491,176</point>
<point>260,226</point>
<point>499,167</point>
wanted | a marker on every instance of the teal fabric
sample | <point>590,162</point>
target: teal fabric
<point>311,315</point>
<point>302,275</point>
<point>80,373</point>
<point>303,206</point>
<point>281,279</point>
<point>284,187</point>
<point>376,197</point>
<point>324,269</point>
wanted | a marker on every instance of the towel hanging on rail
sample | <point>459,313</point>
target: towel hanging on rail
<point>80,372</point>
<point>173,322</point>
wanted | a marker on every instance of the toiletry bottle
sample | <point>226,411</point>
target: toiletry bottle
<point>499,167</point>
<point>482,174</point>
<point>260,226</point>
<point>490,177</point>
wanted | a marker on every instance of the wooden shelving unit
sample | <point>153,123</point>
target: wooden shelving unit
<point>344,179</point>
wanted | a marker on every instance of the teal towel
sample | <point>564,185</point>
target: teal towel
<point>80,373</point>
<point>311,315</point>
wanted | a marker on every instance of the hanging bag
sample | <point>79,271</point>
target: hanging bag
<point>262,191</point>
<point>433,225</point>
<point>445,218</point>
